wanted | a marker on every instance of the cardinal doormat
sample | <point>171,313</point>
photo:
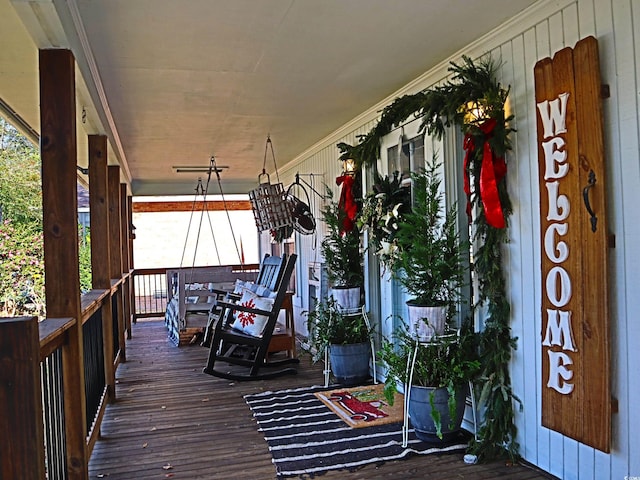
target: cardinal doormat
<point>305,437</point>
<point>363,406</point>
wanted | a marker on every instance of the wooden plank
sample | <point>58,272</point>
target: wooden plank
<point>60,228</point>
<point>170,413</point>
<point>596,418</point>
<point>91,301</point>
<point>53,334</point>
<point>210,205</point>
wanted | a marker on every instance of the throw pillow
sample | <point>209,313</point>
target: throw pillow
<point>249,322</point>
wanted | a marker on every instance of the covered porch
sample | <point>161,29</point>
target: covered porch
<point>133,99</point>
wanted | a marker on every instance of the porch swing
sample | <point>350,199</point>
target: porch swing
<point>191,288</point>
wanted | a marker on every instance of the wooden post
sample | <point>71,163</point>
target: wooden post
<point>131,234</point>
<point>115,249</point>
<point>99,214</point>
<point>124,245</point>
<point>21,427</point>
<point>60,228</point>
<point>130,238</point>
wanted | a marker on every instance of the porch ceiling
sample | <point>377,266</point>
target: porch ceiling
<point>174,82</point>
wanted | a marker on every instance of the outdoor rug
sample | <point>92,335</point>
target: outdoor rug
<point>306,438</point>
<point>363,406</point>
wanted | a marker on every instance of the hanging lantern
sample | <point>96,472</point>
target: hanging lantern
<point>271,210</point>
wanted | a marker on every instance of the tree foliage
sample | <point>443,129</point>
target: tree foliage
<point>20,184</point>
<point>21,239</point>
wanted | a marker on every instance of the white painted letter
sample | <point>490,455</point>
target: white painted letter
<point>559,206</point>
<point>557,368</point>
<point>553,155</point>
<point>554,116</point>
<point>559,330</point>
<point>565,287</point>
<point>549,241</point>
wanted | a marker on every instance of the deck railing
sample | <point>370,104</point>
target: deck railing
<point>150,292</point>
<point>42,407</point>
<point>43,427</point>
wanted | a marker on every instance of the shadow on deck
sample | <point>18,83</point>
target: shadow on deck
<point>171,420</point>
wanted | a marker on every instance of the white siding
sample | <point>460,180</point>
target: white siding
<point>537,33</point>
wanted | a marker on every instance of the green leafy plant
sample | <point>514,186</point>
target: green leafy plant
<point>429,256</point>
<point>341,250</point>
<point>22,272</point>
<point>327,326</point>
<point>449,361</point>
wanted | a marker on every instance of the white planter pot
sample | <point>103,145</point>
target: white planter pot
<point>425,322</point>
<point>347,299</point>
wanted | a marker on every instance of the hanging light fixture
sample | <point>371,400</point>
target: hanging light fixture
<point>271,210</point>
<point>348,166</point>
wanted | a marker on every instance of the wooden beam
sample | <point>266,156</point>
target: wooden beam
<point>113,195</point>
<point>115,248</point>
<point>58,152</point>
<point>211,205</point>
<point>126,265</point>
<point>99,212</point>
<point>124,229</point>
<point>100,256</point>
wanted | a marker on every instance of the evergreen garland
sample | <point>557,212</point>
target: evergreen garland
<point>440,107</point>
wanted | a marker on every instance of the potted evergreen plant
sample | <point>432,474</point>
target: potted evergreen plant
<point>439,379</point>
<point>346,337</point>
<point>428,259</point>
<point>342,256</point>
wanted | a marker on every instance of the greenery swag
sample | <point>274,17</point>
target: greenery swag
<point>473,100</point>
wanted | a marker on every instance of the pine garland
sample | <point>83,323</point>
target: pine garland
<point>441,107</point>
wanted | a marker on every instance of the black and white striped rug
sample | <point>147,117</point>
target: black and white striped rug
<point>306,438</point>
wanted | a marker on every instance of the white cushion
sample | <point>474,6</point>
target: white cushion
<point>248,322</point>
<point>239,286</point>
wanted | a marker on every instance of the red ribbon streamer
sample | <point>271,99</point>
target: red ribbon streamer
<point>492,170</point>
<point>347,203</point>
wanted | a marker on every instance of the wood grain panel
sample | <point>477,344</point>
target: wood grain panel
<point>596,420</point>
<point>98,210</point>
<point>577,413</point>
<point>211,205</point>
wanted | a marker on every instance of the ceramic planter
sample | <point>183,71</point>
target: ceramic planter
<point>420,413</point>
<point>425,322</point>
<point>347,299</point>
<point>350,362</point>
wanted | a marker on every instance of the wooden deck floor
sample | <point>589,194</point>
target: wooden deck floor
<point>172,421</point>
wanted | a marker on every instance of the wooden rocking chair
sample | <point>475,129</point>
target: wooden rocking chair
<point>269,274</point>
<point>242,332</point>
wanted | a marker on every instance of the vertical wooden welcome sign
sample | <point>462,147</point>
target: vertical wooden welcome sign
<point>576,396</point>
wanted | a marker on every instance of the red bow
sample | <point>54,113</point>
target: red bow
<point>347,203</point>
<point>492,170</point>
